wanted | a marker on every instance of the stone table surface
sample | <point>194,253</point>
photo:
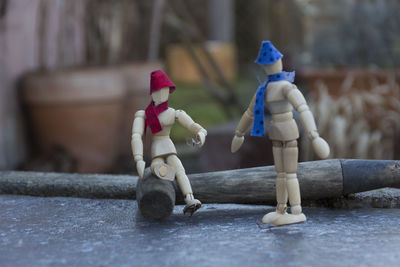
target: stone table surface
<point>36,231</point>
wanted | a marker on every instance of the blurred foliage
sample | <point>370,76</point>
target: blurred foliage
<point>360,122</point>
<point>279,21</point>
<point>355,33</point>
<point>203,109</point>
<point>195,101</point>
<point>320,33</point>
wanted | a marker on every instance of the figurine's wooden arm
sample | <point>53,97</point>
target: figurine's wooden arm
<point>244,124</point>
<point>186,121</point>
<point>136,142</point>
<point>247,119</point>
<point>296,98</point>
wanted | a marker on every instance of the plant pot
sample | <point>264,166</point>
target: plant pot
<point>78,112</point>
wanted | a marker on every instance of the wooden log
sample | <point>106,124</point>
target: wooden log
<point>365,175</point>
<point>155,197</point>
<point>50,184</point>
<point>318,180</point>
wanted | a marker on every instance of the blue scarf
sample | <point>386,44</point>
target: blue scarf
<point>258,124</point>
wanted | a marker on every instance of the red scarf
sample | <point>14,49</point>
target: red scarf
<point>152,113</point>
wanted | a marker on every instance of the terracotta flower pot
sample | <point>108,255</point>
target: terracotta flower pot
<point>78,111</point>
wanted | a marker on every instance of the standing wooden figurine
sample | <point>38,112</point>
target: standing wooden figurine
<point>281,96</point>
<point>160,119</point>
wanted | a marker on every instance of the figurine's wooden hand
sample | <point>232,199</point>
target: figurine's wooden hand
<point>140,165</point>
<point>237,142</point>
<point>321,147</point>
<point>201,138</point>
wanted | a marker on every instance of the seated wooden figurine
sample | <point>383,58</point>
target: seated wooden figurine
<point>160,118</point>
<point>281,96</point>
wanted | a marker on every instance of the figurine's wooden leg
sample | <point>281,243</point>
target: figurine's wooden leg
<point>290,158</point>
<point>280,184</point>
<point>181,176</point>
<point>162,170</point>
<point>156,162</point>
<point>281,192</point>
<point>192,204</point>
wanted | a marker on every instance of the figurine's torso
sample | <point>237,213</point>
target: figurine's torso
<point>283,127</point>
<point>161,142</point>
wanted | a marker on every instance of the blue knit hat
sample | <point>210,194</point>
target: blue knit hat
<point>268,54</point>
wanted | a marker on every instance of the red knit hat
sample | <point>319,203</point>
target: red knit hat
<point>160,80</point>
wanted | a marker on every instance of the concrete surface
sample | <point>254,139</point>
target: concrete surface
<point>36,231</point>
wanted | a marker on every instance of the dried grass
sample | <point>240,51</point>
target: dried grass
<point>361,123</point>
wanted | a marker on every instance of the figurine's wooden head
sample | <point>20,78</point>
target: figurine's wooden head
<point>160,86</point>
<point>273,68</point>
<point>160,95</point>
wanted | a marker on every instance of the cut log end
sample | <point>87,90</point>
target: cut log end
<point>156,205</point>
<point>155,197</point>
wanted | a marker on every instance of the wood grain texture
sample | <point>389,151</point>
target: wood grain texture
<point>318,179</point>
<point>68,185</point>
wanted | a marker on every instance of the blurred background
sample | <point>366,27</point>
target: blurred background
<point>73,73</point>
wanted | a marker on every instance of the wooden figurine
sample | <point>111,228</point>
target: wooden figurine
<point>160,119</point>
<point>281,96</point>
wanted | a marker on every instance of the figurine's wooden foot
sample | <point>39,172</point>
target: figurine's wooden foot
<point>287,219</point>
<point>271,217</point>
<point>190,209</point>
<point>192,205</point>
